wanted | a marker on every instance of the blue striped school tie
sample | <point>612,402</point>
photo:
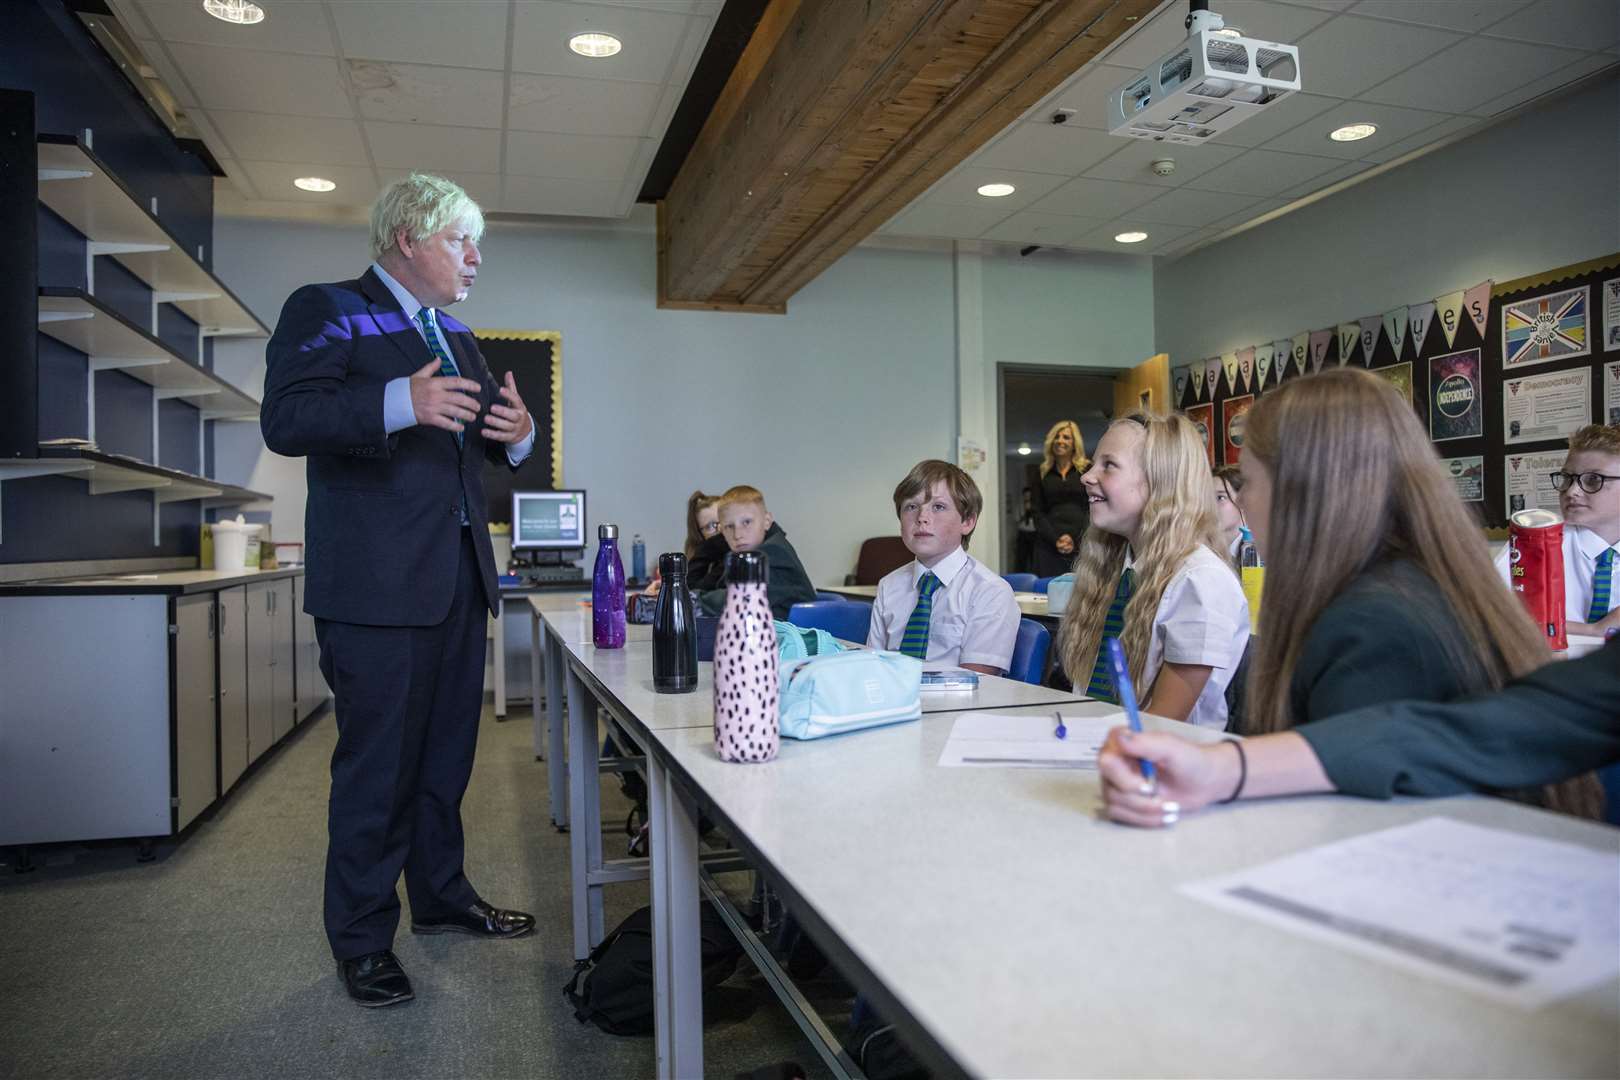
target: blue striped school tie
<point>1602,581</point>
<point>1101,686</point>
<point>915,641</point>
<point>447,366</point>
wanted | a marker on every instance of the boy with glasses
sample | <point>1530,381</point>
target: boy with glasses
<point>1589,499</point>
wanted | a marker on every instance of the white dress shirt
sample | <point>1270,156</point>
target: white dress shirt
<point>1582,547</point>
<point>1202,619</point>
<point>973,620</point>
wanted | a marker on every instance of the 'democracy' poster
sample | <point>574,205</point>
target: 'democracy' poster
<point>1455,407</point>
<point>1234,417</point>
<point>1529,480</point>
<point>1400,376</point>
<point>1550,406</point>
<point>1468,474</point>
<point>1545,328</point>
<point>1204,417</point>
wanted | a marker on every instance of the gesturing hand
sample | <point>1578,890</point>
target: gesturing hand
<point>507,423</point>
<point>1065,544</point>
<point>443,401</point>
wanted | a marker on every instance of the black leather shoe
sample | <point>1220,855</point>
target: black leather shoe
<point>481,920</point>
<point>375,979</point>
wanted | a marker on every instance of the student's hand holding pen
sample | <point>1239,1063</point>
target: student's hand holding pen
<point>1190,776</point>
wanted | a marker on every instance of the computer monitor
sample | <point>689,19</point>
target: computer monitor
<point>548,519</point>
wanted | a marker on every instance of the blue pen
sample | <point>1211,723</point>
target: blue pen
<point>1127,694</point>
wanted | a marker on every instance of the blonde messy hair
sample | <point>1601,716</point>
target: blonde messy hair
<point>742,493</point>
<point>1600,438</point>
<point>420,205</point>
<point>1178,518</point>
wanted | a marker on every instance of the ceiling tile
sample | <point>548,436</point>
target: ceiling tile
<point>1040,146</point>
<point>651,38</point>
<point>249,81</point>
<point>957,222</point>
<point>1102,237</point>
<point>436,147</point>
<point>1133,162</point>
<point>1048,230</point>
<point>960,188</point>
<point>185,21</point>
<point>1151,38</point>
<point>1468,16</point>
<point>1327,179</point>
<point>1443,130</point>
<point>580,106</point>
<point>298,139</point>
<point>1096,198</point>
<point>1393,124</point>
<point>1087,94</point>
<point>1547,83</point>
<point>274,180</point>
<point>1580,24</point>
<point>568,198</point>
<point>1265,19</point>
<point>572,157</point>
<point>1289,113</point>
<point>1264,172</point>
<point>1349,55</point>
<point>1186,206</point>
<point>485,188</point>
<point>423,32</point>
<point>1464,77</point>
<point>417,94</point>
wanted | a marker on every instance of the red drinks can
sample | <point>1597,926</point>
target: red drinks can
<point>1536,556</point>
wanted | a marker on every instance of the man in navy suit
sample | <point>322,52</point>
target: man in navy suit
<point>394,409</point>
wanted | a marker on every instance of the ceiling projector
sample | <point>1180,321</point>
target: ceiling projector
<point>1208,84</point>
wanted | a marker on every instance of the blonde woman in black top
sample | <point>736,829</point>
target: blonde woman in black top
<point>1061,509</point>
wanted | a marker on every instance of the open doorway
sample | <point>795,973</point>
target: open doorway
<point>1032,399</point>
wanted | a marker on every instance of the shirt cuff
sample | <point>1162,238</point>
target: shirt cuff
<point>518,452</point>
<point>398,412</point>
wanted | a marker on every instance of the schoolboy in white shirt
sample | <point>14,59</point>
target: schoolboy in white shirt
<point>1589,499</point>
<point>944,606</point>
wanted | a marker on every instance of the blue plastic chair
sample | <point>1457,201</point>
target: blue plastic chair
<point>1040,584</point>
<point>1020,582</point>
<point>848,620</point>
<point>1029,652</point>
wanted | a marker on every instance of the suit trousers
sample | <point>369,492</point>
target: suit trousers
<point>408,701</point>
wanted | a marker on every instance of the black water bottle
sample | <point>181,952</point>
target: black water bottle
<point>675,663</point>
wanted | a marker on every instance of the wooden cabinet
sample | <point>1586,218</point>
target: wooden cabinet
<point>283,706</point>
<point>260,678</point>
<point>196,764</point>
<point>233,685</point>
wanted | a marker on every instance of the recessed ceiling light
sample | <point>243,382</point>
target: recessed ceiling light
<point>240,12</point>
<point>595,46</point>
<point>1352,132</point>
<point>1023,448</point>
<point>996,191</point>
<point>314,183</point>
<point>1131,237</point>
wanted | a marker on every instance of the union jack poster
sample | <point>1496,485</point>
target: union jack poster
<point>1546,328</point>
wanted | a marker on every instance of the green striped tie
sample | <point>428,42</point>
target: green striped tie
<point>915,641</point>
<point>1602,581</point>
<point>1101,686</point>
<point>447,366</point>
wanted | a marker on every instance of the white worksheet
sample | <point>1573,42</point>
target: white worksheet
<point>1005,741</point>
<point>1516,918</point>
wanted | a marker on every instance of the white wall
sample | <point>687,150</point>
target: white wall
<point>1530,194</point>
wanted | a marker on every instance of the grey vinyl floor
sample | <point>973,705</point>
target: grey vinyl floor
<point>210,961</point>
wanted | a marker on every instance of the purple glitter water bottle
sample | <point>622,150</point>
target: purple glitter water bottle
<point>745,679</point>
<point>607,591</point>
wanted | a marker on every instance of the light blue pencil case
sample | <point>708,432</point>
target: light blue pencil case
<point>848,691</point>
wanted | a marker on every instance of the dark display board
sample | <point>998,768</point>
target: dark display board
<point>534,357</point>
<point>1550,326</point>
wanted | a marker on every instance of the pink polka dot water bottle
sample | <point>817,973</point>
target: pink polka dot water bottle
<point>745,679</point>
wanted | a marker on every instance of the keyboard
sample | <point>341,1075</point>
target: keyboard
<point>552,575</point>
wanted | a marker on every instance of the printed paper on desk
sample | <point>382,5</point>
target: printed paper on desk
<point>1516,918</point>
<point>1006,741</point>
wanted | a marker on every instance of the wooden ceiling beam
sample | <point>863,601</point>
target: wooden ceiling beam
<point>843,111</point>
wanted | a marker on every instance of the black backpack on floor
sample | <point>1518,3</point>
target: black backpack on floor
<point>613,987</point>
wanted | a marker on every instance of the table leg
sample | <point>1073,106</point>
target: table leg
<point>537,643</point>
<point>585,837</point>
<point>677,964</point>
<point>556,728</point>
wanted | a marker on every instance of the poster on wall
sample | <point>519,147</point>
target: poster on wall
<point>1468,474</point>
<point>1234,417</point>
<point>1455,406</point>
<point>1611,393</point>
<point>1539,407</point>
<point>1400,375</point>
<point>1545,328</point>
<point>1204,417</point>
<point>1528,480</point>
<point>1611,315</point>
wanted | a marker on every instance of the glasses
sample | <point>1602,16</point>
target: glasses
<point>710,529</point>
<point>1591,482</point>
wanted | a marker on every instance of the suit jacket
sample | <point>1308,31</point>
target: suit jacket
<point>382,525</point>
